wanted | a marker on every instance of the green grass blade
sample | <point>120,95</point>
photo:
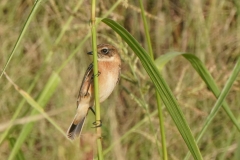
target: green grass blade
<point>96,84</point>
<point>158,98</point>
<point>208,79</point>
<point>221,97</point>
<point>164,59</point>
<point>161,86</point>
<point>41,102</point>
<point>21,105</point>
<point>203,73</point>
<point>67,24</point>
<point>20,155</point>
<point>43,67</point>
<point>35,6</point>
<point>38,108</point>
<point>220,100</point>
<point>49,89</point>
<point>3,136</point>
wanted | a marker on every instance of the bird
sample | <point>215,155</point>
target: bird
<point>109,68</point>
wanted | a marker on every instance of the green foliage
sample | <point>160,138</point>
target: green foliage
<point>43,46</point>
<point>42,101</point>
<point>161,86</point>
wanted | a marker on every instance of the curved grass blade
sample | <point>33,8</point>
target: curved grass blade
<point>20,155</point>
<point>48,91</point>
<point>203,73</point>
<point>161,86</point>
<point>220,100</point>
<point>35,6</point>
<point>208,79</point>
<point>43,67</point>
<point>158,98</point>
<point>162,60</point>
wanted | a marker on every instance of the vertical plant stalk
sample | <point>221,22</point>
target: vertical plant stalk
<point>46,61</point>
<point>96,87</point>
<point>160,115</point>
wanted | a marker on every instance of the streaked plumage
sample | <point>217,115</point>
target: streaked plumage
<point>109,66</point>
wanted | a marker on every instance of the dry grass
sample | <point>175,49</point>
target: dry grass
<point>210,30</point>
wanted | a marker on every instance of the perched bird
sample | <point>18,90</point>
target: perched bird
<point>109,67</point>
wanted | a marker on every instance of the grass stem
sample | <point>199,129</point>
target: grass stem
<point>96,86</point>
<point>160,116</point>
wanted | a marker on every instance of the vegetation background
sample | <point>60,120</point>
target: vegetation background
<point>208,29</point>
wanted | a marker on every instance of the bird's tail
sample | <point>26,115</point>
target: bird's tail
<point>75,129</point>
<point>77,124</point>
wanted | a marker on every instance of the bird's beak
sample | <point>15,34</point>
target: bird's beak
<point>90,53</point>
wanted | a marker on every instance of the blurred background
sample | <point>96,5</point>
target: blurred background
<point>56,43</point>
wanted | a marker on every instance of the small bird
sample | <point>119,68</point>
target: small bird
<point>109,68</point>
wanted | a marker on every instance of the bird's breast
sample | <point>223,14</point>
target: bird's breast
<point>109,74</point>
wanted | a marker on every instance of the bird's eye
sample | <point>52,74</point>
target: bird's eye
<point>105,51</point>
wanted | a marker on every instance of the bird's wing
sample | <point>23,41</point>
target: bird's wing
<point>86,83</point>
